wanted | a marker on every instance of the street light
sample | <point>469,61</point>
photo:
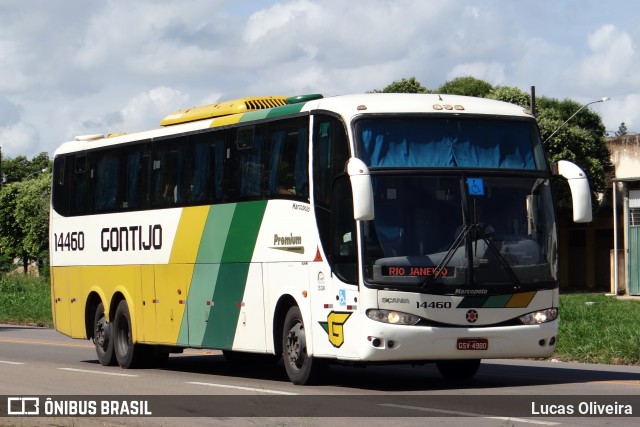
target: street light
<point>605,99</point>
<point>33,173</point>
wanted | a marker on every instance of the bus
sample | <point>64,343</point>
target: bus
<point>357,229</point>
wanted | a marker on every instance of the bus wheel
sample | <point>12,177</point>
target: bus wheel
<point>458,369</point>
<point>128,354</point>
<point>102,338</point>
<point>301,369</point>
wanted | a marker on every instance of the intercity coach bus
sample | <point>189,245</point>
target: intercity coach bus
<point>361,229</point>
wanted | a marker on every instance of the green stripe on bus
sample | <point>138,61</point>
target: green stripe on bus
<point>220,277</point>
<point>243,231</point>
<point>215,234</point>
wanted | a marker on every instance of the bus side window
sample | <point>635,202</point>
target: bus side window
<point>330,154</point>
<point>249,162</point>
<point>106,177</point>
<point>289,158</point>
<point>344,233</point>
<point>205,170</point>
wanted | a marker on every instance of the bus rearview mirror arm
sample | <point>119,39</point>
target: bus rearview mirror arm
<point>579,186</point>
<point>362,189</point>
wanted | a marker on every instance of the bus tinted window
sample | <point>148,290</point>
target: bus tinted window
<point>214,166</point>
<point>449,143</point>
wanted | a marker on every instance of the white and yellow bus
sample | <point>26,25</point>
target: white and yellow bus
<point>357,229</point>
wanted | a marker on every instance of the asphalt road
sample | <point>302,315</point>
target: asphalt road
<point>199,387</point>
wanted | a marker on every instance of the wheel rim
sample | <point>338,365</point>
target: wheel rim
<point>296,348</point>
<point>101,333</point>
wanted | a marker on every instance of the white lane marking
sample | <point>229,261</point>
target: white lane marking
<point>260,390</point>
<point>470,414</point>
<point>6,362</point>
<point>87,371</point>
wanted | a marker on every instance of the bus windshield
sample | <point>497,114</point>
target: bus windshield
<point>461,231</point>
<point>448,142</point>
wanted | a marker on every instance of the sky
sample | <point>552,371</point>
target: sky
<point>78,67</point>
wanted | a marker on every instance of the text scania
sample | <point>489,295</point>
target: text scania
<point>131,238</point>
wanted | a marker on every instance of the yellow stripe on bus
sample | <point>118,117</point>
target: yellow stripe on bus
<point>521,300</point>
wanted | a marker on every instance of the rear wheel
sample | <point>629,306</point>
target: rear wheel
<point>128,354</point>
<point>458,369</point>
<point>301,368</point>
<point>103,338</point>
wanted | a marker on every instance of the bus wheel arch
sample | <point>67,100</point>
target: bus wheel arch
<point>301,368</point>
<point>282,308</point>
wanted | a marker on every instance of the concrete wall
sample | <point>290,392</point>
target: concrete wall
<point>625,155</point>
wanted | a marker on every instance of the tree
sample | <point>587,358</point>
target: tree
<point>468,86</point>
<point>20,167</point>
<point>32,215</point>
<point>24,211</point>
<point>404,85</point>
<point>622,130</point>
<point>581,140</point>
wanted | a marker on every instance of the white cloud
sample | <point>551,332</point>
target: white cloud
<point>82,67</point>
<point>612,59</point>
<point>19,139</point>
<point>491,72</point>
<point>147,109</point>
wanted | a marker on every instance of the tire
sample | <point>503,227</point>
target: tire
<point>128,354</point>
<point>301,368</point>
<point>458,369</point>
<point>103,337</point>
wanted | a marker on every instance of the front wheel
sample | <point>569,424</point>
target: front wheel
<point>103,338</point>
<point>301,368</point>
<point>128,354</point>
<point>458,369</point>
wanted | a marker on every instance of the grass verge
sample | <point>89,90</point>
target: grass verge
<point>595,328</point>
<point>25,300</point>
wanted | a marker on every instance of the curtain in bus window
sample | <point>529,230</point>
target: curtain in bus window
<point>106,182</point>
<point>251,165</point>
<point>277,148</point>
<point>503,145</point>
<point>445,143</point>
<point>133,196</point>
<point>201,172</point>
<point>301,170</point>
<point>408,144</point>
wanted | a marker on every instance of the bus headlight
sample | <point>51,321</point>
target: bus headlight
<point>393,317</point>
<point>542,316</point>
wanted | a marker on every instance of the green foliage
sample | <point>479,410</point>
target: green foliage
<point>19,168</point>
<point>25,300</point>
<point>581,140</point>
<point>595,328</point>
<point>468,86</point>
<point>24,212</point>
<point>410,85</point>
<point>512,95</point>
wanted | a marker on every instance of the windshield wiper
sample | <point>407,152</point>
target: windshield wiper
<point>478,231</point>
<point>428,281</point>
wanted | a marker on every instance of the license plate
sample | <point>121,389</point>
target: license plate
<point>473,344</point>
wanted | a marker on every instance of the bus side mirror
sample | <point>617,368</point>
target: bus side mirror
<point>580,192</point>
<point>362,189</point>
